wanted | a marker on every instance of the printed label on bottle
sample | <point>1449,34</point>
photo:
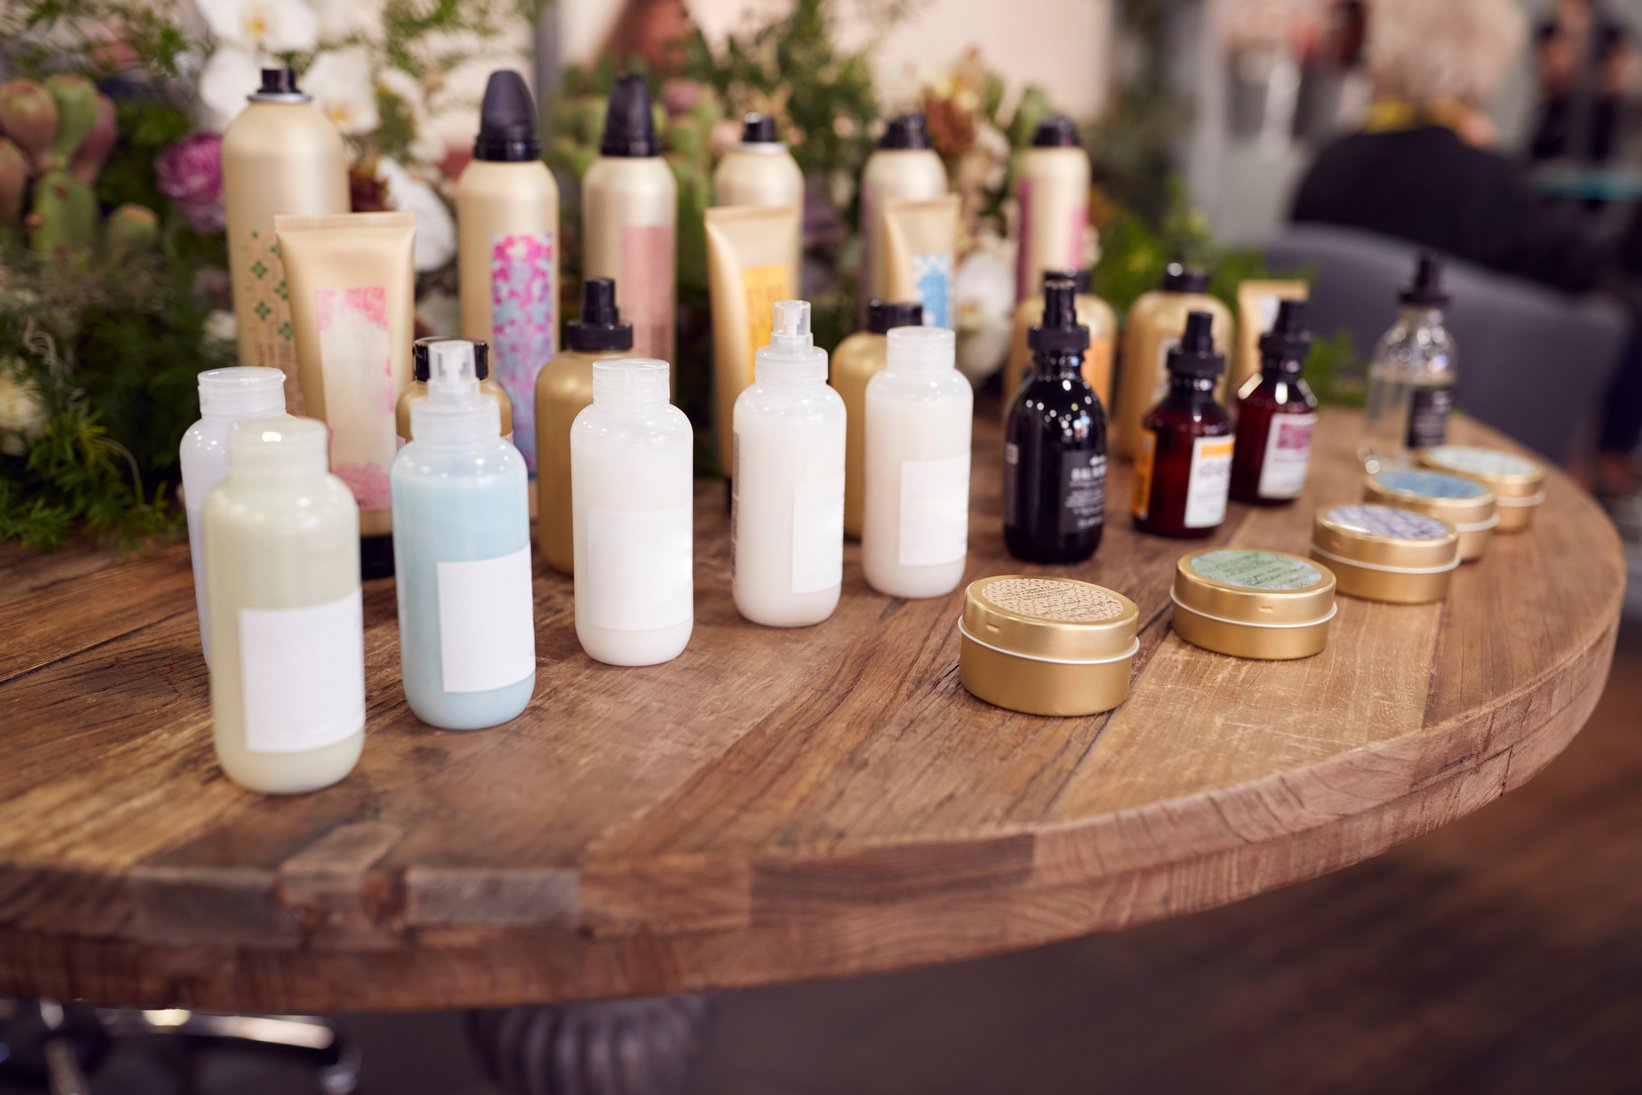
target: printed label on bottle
<point>1397,524</point>
<point>1209,482</point>
<point>1288,455</point>
<point>1011,488</point>
<point>932,274</point>
<point>934,511</point>
<point>522,324</point>
<point>1428,410</point>
<point>302,674</point>
<point>1074,258</point>
<point>1475,461</point>
<point>1145,457</point>
<point>356,355</point>
<point>817,535</point>
<point>1430,484</point>
<point>638,567</point>
<point>1256,569</point>
<point>1082,492</point>
<point>262,304</point>
<point>646,287</point>
<point>763,286</point>
<point>487,627</point>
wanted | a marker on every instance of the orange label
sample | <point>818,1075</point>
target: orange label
<point>1145,453</point>
<point>763,285</point>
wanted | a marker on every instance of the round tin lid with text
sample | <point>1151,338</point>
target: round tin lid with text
<point>1384,536</point>
<point>1464,503</point>
<point>1242,585</point>
<point>1060,619</point>
<point>1510,475</point>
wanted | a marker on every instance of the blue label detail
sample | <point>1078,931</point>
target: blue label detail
<point>933,275</point>
<point>1398,524</point>
<point>1431,484</point>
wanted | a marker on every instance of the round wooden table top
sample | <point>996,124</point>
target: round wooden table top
<point>772,805</point>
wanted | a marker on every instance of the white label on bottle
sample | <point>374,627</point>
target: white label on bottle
<point>1210,481</point>
<point>487,627</point>
<point>934,511</point>
<point>1288,453</point>
<point>817,535</point>
<point>302,672</point>
<point>639,568</point>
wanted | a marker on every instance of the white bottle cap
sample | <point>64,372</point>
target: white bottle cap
<point>279,448</point>
<point>920,349</point>
<point>630,381</point>
<point>792,353</point>
<point>242,391</point>
<point>454,409</point>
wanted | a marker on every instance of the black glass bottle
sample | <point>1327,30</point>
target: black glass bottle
<point>1054,473</point>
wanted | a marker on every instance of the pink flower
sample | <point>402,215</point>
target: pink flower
<point>190,174</point>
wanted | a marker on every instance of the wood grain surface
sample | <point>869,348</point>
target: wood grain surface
<point>772,805</point>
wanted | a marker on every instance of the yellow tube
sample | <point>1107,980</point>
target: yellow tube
<point>920,237</point>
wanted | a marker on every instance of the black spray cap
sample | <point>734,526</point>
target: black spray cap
<point>422,358</point>
<point>1079,278</point>
<point>1180,278</point>
<point>600,326</point>
<point>757,128</point>
<point>1426,290</point>
<point>507,121</point>
<point>1060,332</point>
<point>905,131</point>
<point>1194,354</point>
<point>1288,342</point>
<point>1056,131</point>
<point>279,81</point>
<point>885,315</point>
<point>629,130</point>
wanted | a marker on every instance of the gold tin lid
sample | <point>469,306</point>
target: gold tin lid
<point>1464,503</point>
<point>1055,619</point>
<point>1243,586</point>
<point>1385,538</point>
<point>1515,480</point>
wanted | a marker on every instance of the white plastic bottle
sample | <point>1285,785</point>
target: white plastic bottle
<point>287,620</point>
<point>227,398</point>
<point>787,494</point>
<point>632,515</point>
<point>915,531</point>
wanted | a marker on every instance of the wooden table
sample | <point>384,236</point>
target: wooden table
<point>773,805</point>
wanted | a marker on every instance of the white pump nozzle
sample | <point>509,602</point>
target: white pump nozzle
<point>792,348</point>
<point>452,375</point>
<point>454,409</point>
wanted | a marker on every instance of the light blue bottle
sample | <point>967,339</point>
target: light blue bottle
<point>461,547</point>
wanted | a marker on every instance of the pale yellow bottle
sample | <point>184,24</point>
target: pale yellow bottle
<point>281,154</point>
<point>422,368</point>
<point>1093,313</point>
<point>507,217</point>
<point>904,167</point>
<point>287,619</point>
<point>630,219</point>
<point>1156,321</point>
<point>1052,195</point>
<point>564,387</point>
<point>761,171</point>
<point>858,359</point>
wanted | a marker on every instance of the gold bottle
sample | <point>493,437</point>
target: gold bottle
<point>760,171</point>
<point>857,360</point>
<point>1092,312</point>
<point>421,369</point>
<point>1155,322</point>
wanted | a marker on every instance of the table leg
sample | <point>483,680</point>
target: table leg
<point>642,1046</point>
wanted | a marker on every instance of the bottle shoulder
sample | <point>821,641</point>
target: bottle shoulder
<point>945,387</point>
<point>648,425</point>
<point>480,460</point>
<point>629,174</point>
<point>818,400</point>
<point>283,504</point>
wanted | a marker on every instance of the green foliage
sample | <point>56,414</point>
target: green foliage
<point>1335,372</point>
<point>45,36</point>
<point>1131,143</point>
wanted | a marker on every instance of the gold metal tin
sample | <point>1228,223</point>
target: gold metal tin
<point>1381,553</point>
<point>1464,503</point>
<point>1046,646</point>
<point>1253,604</point>
<point>1517,482</point>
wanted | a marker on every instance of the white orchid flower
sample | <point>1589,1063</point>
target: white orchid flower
<point>229,75</point>
<point>435,227</point>
<point>266,26</point>
<point>342,84</point>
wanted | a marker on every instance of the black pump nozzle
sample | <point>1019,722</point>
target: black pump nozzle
<point>905,131</point>
<point>885,315</point>
<point>422,358</point>
<point>507,121</point>
<point>1059,332</point>
<point>1056,131</point>
<point>1195,354</point>
<point>279,81</point>
<point>629,128</point>
<point>1180,278</point>
<point>1288,342</point>
<point>1426,290</point>
<point>757,128</point>
<point>600,326</point>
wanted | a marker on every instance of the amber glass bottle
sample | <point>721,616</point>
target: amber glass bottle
<point>1054,474</point>
<point>1184,458</point>
<point>1276,414</point>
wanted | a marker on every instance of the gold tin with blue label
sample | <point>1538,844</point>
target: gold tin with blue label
<point>1517,482</point>
<point>1381,553</point>
<point>1464,503</point>
<point>1252,604</point>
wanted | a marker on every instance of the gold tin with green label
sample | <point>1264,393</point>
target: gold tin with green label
<point>1381,553</point>
<point>1517,482</point>
<point>1464,503</point>
<point>1253,604</point>
<point>1046,646</point>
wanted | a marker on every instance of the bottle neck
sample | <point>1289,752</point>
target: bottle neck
<point>788,374</point>
<point>1421,315</point>
<point>1192,390</point>
<point>1056,364</point>
<point>269,408</point>
<point>1281,368</point>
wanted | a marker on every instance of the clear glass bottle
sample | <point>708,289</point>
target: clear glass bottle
<point>1411,380</point>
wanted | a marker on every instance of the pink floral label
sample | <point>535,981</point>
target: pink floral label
<point>522,325</point>
<point>356,356</point>
<point>645,288</point>
<point>1074,237</point>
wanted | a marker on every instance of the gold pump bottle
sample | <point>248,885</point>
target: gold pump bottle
<point>279,155</point>
<point>1155,323</point>
<point>761,171</point>
<point>1052,193</point>
<point>1092,313</point>
<point>507,216</point>
<point>421,369</point>
<point>858,359</point>
<point>902,167</point>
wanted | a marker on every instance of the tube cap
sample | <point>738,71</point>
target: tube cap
<point>279,86</point>
<point>1288,342</point>
<point>507,121</point>
<point>1060,332</point>
<point>454,409</point>
<point>1180,278</point>
<point>792,350</point>
<point>884,315</point>
<point>242,391</point>
<point>600,326</point>
<point>921,349</point>
<point>1195,354</point>
<point>905,131</point>
<point>1079,278</point>
<point>1056,131</point>
<point>757,128</point>
<point>629,128</point>
<point>1426,289</point>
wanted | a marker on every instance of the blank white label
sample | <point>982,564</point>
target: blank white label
<point>487,627</point>
<point>817,535</point>
<point>302,672</point>
<point>1209,482</point>
<point>934,511</point>
<point>638,568</point>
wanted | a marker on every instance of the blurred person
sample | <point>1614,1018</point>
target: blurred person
<point>1583,58</point>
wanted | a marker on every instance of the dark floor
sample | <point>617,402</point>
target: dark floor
<point>1501,954</point>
